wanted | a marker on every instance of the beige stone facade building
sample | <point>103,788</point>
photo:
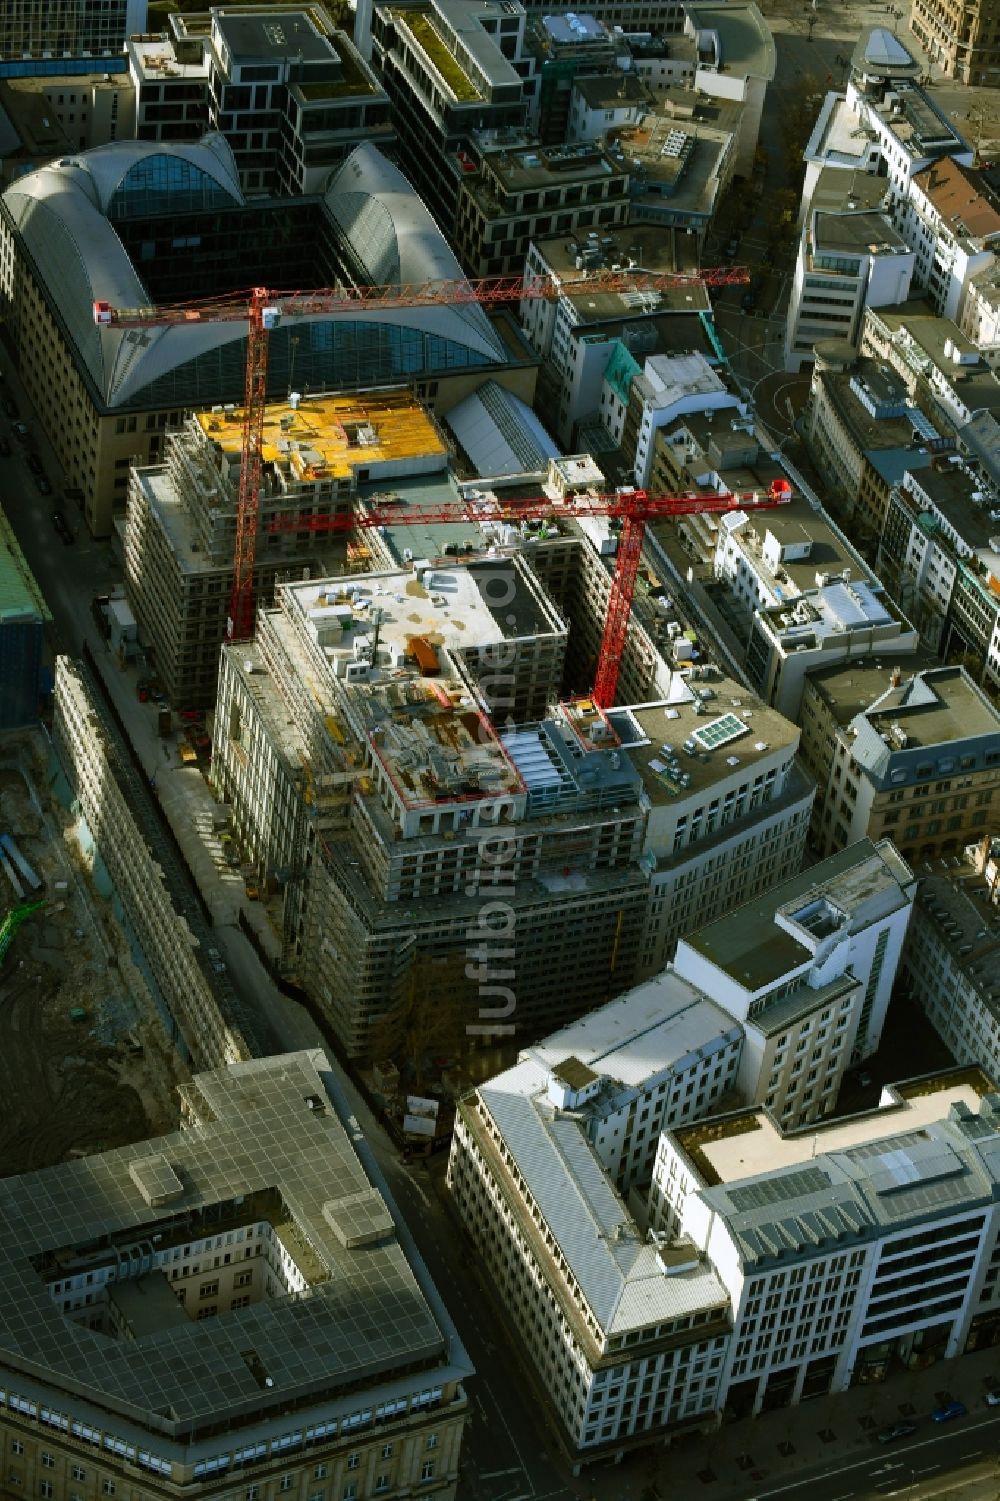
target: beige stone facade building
<point>227,1311</point>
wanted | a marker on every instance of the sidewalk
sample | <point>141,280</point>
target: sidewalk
<point>759,1455</point>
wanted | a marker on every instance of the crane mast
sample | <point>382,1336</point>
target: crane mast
<point>262,310</point>
<point>632,508</point>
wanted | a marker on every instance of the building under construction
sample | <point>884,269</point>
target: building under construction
<point>448,825</point>
<point>180,528</point>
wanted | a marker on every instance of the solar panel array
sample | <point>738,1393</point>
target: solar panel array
<point>781,1189</point>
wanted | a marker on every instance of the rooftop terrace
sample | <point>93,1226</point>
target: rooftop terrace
<point>752,1146</point>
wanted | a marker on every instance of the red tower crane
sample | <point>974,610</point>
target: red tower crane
<point>262,310</point>
<point>632,508</point>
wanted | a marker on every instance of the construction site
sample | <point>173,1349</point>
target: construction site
<point>85,1062</point>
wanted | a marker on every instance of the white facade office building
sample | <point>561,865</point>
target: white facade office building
<point>847,261</point>
<point>626,1337</point>
<point>848,1252</point>
<point>807,969</point>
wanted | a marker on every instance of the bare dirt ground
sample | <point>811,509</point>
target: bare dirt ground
<point>70,1085</point>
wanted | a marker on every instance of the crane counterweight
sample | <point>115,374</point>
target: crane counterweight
<point>263,309</point>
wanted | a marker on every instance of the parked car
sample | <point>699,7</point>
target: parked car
<point>44,488</point>
<point>949,1410</point>
<point>142,691</point>
<point>894,1431</point>
<point>10,408</point>
<point>21,432</point>
<point>4,448</point>
<point>732,247</point>
<point>993,1397</point>
<point>59,522</point>
<point>34,463</point>
<point>749,300</point>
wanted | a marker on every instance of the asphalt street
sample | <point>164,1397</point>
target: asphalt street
<point>913,1469</point>
<point>507,1452</point>
<point>510,1453</point>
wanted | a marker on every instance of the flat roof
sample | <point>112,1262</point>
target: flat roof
<point>839,188</point>
<point>279,33</point>
<point>870,233</point>
<point>791,525</point>
<point>848,688</point>
<point>575,27</point>
<point>974,382</point>
<point>647,246</point>
<point>653,736</point>
<point>867,432</point>
<point>763,1149</point>
<point>155,60</point>
<point>332,437</point>
<point>835,610</point>
<point>950,490</point>
<point>745,40</point>
<point>685,181</point>
<point>608,90</point>
<point>260,1151</point>
<point>937,705</point>
<point>836,136</point>
<point>752,948</point>
<point>422,723</point>
<point>520,168</point>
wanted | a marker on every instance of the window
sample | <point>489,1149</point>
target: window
<point>427,1470</point>
<point>79,1473</point>
<point>320,1472</point>
<point>48,1460</point>
<point>107,1487</point>
<point>285,1483</point>
<point>253,1493</point>
<point>386,1451</point>
<point>432,1441</point>
<point>45,1488</point>
<point>381,1484</point>
<point>16,1447</point>
<point>350,1491</point>
<point>353,1460</point>
<point>208,1289</point>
